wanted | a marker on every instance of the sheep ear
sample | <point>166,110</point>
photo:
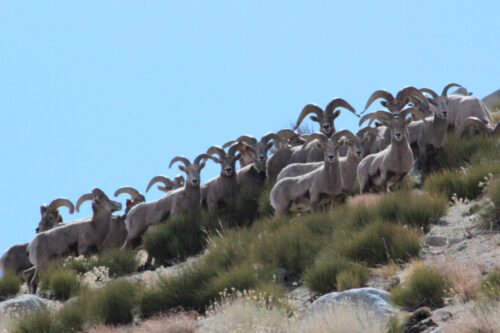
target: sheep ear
<point>383,103</point>
<point>314,118</point>
<point>182,168</point>
<point>237,157</point>
<point>202,165</point>
<point>43,209</point>
<point>269,145</point>
<point>336,114</point>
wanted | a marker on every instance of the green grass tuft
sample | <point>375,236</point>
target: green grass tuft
<point>490,286</point>
<point>425,287</point>
<point>10,283</point>
<point>114,303</point>
<point>61,282</point>
<point>119,261</point>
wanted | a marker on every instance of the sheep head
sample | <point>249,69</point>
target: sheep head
<point>136,197</point>
<point>473,123</point>
<point>331,145</point>
<point>395,104</point>
<point>50,214</point>
<point>260,148</point>
<point>101,204</point>
<point>292,138</point>
<point>366,135</point>
<point>440,102</point>
<point>326,117</point>
<point>192,170</point>
<point>226,160</point>
<point>397,121</point>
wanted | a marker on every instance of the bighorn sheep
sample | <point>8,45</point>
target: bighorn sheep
<point>175,202</point>
<point>253,176</point>
<point>321,183</point>
<point>84,235</point>
<point>429,135</point>
<point>376,172</point>
<point>394,104</point>
<point>325,117</point>
<point>117,232</point>
<point>348,163</point>
<point>461,107</point>
<point>366,137</point>
<point>478,124</point>
<point>14,259</point>
<point>218,190</point>
<point>167,182</point>
<point>292,138</point>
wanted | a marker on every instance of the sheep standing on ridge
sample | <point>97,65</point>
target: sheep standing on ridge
<point>376,172</point>
<point>216,192</point>
<point>15,259</point>
<point>311,188</point>
<point>175,202</point>
<point>83,235</point>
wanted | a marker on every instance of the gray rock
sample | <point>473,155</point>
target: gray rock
<point>373,300</point>
<point>461,91</point>
<point>436,241</point>
<point>20,306</point>
<point>442,315</point>
<point>492,100</point>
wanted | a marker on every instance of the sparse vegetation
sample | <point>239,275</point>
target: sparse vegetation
<point>114,303</point>
<point>10,283</point>
<point>490,286</point>
<point>60,282</point>
<point>425,287</point>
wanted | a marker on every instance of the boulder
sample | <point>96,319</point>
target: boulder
<point>492,100</point>
<point>20,306</point>
<point>373,300</point>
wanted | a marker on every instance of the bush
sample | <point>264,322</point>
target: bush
<point>175,239</point>
<point>243,208</point>
<point>73,316</point>
<point>332,272</point>
<point>61,282</point>
<point>40,321</point>
<point>465,184</point>
<point>463,152</point>
<point>119,261</point>
<point>10,283</point>
<point>425,287</point>
<point>381,242</point>
<point>494,194</point>
<point>490,286</point>
<point>114,303</point>
<point>240,277</point>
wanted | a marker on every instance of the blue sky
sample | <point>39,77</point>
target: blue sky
<point>97,93</point>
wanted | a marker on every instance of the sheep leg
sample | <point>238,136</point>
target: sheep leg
<point>28,276</point>
<point>34,281</point>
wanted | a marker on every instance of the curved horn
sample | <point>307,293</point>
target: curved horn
<point>216,150</point>
<point>366,130</point>
<point>422,105</point>
<point>287,134</point>
<point>234,148</point>
<point>200,157</point>
<point>229,143</point>
<point>430,92</point>
<point>180,159</point>
<point>55,204</point>
<point>381,115</point>
<point>98,192</point>
<point>404,94</point>
<point>165,180</point>
<point>309,108</point>
<point>82,199</point>
<point>472,122</point>
<point>316,135</point>
<point>345,133</point>
<point>448,86</point>
<point>417,114</point>
<point>129,190</point>
<point>248,139</point>
<point>339,102</point>
<point>382,93</point>
<point>268,136</point>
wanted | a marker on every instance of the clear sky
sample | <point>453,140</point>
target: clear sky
<point>105,93</point>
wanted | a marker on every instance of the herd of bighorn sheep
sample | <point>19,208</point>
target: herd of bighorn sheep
<point>308,170</point>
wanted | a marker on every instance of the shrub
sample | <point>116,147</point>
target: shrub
<point>239,277</point>
<point>226,249</point>
<point>332,272</point>
<point>242,209</point>
<point>465,184</point>
<point>113,304</point>
<point>381,242</point>
<point>490,286</point>
<point>463,152</point>
<point>494,194</point>
<point>10,283</point>
<point>61,282</point>
<point>182,290</point>
<point>72,317</point>
<point>175,239</point>
<point>40,321</point>
<point>425,287</point>
<point>120,262</point>
<point>265,208</point>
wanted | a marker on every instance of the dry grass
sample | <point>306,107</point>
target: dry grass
<point>368,199</point>
<point>464,279</point>
<point>482,317</point>
<point>183,322</point>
